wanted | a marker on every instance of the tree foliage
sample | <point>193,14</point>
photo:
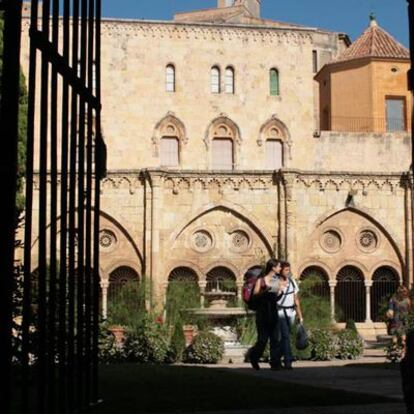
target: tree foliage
<point>23,101</point>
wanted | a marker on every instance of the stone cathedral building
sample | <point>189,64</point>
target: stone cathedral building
<point>232,138</point>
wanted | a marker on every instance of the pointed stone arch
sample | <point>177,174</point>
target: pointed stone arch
<point>238,211</point>
<point>376,224</point>
<point>275,129</point>
<point>223,127</point>
<point>169,126</point>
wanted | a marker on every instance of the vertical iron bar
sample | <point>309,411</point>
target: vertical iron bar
<point>27,288</point>
<point>64,218</point>
<point>43,351</point>
<point>80,343</point>
<point>8,166</point>
<point>53,213</point>
<point>72,214</point>
<point>88,219</point>
<point>98,153</point>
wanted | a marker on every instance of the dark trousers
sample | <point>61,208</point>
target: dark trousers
<point>267,329</point>
<point>285,348</point>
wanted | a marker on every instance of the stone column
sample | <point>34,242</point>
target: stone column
<point>290,219</point>
<point>332,286</point>
<point>104,287</point>
<point>240,291</point>
<point>368,285</point>
<point>156,295</point>
<point>282,218</point>
<point>202,284</point>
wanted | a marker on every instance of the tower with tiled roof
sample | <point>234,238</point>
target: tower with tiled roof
<point>374,69</point>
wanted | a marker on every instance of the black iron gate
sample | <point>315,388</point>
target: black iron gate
<point>54,360</point>
<point>385,284</point>
<point>350,296</point>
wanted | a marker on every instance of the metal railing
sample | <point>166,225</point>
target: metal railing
<point>364,124</point>
<point>56,363</point>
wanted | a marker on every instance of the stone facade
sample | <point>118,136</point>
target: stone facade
<point>340,199</point>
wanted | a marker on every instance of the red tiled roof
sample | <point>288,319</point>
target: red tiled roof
<point>375,42</point>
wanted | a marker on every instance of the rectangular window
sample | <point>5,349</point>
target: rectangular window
<point>170,79</point>
<point>274,154</point>
<point>395,111</point>
<point>169,152</point>
<point>222,154</point>
<point>315,62</point>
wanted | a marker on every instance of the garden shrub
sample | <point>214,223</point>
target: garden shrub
<point>127,307</point>
<point>177,344</point>
<point>349,344</point>
<point>323,344</point>
<point>108,350</point>
<point>147,342</point>
<point>207,348</point>
<point>182,295</point>
<point>316,309</point>
<point>246,330</point>
<point>351,326</point>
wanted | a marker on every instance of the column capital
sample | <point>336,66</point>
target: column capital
<point>202,284</point>
<point>332,283</point>
<point>368,283</point>
<point>104,284</point>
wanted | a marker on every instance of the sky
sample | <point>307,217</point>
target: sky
<point>348,16</point>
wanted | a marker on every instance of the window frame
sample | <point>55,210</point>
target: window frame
<point>213,69</point>
<point>404,112</point>
<point>168,81</point>
<point>233,80</point>
<point>282,153</point>
<point>233,155</point>
<point>169,138</point>
<point>272,90</point>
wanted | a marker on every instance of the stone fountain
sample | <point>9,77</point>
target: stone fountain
<point>222,316</point>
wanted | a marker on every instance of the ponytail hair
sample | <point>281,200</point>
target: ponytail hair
<point>269,266</point>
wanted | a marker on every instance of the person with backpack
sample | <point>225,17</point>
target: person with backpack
<point>263,299</point>
<point>288,309</point>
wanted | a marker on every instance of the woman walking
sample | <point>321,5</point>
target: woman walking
<point>399,308</point>
<point>266,292</point>
<point>288,306</point>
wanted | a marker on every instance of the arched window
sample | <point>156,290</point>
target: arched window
<point>222,154</point>
<point>385,284</point>
<point>230,80</point>
<point>183,288</point>
<point>120,278</point>
<point>274,154</point>
<point>215,79</point>
<point>350,296</point>
<point>169,152</point>
<point>170,78</point>
<point>274,82</point>
<point>221,279</point>
<point>319,281</point>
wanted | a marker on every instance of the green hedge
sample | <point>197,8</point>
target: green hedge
<point>207,348</point>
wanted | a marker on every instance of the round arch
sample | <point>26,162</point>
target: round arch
<point>385,281</point>
<point>321,287</point>
<point>120,277</point>
<point>221,279</point>
<point>350,297</point>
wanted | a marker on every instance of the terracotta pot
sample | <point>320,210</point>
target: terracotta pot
<point>189,333</point>
<point>119,333</point>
